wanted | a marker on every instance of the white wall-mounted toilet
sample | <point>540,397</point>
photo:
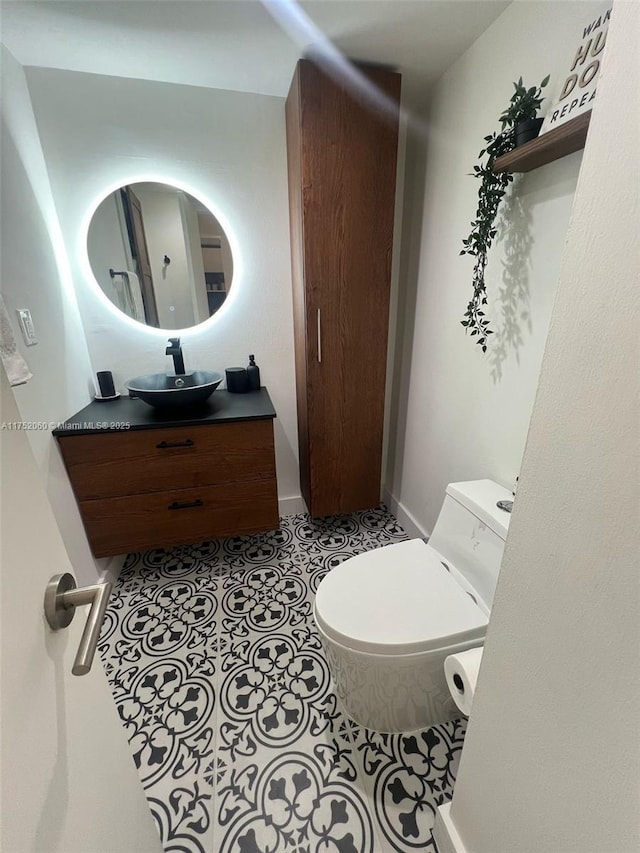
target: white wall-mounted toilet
<point>389,617</point>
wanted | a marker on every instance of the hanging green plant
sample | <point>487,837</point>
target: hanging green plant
<point>523,106</point>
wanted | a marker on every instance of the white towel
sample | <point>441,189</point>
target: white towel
<point>16,367</point>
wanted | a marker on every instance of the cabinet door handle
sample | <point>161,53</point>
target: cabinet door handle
<point>319,339</point>
<point>167,444</point>
<point>186,505</point>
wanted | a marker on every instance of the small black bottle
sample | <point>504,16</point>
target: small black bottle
<point>253,372</point>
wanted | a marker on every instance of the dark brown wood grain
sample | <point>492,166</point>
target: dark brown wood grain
<point>125,482</point>
<point>138,522</point>
<point>557,143</point>
<point>128,463</point>
<point>347,150</point>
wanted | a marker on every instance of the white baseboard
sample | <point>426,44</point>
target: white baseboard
<point>411,526</point>
<point>111,572</point>
<point>291,506</point>
<point>444,832</point>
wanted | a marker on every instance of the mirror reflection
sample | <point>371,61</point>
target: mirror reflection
<point>160,255</point>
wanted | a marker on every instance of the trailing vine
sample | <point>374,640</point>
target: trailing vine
<point>524,105</point>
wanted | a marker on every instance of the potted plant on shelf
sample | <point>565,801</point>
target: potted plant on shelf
<point>522,109</point>
<point>522,112</point>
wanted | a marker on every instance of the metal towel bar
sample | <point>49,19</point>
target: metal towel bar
<point>61,598</point>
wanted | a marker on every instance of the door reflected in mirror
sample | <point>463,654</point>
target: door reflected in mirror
<point>160,255</point>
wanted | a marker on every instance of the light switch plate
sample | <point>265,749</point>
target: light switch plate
<point>26,326</point>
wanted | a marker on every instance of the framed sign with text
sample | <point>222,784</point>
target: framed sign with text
<point>580,83</point>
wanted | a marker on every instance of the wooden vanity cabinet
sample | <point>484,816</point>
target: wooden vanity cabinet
<point>341,152</point>
<point>157,487</point>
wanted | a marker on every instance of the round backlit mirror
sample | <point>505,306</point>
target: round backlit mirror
<point>160,255</point>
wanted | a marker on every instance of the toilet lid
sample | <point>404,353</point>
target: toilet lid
<point>396,600</point>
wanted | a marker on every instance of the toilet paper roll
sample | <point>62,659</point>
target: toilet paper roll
<point>461,672</point>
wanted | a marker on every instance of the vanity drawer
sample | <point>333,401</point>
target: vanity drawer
<point>142,461</point>
<point>141,522</point>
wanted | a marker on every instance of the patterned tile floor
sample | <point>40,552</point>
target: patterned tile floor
<point>223,689</point>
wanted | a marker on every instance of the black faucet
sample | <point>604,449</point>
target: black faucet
<point>175,350</point>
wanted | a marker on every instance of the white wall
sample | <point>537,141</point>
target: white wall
<point>35,274</point>
<point>228,150</point>
<point>106,246</point>
<point>456,414</point>
<point>551,761</point>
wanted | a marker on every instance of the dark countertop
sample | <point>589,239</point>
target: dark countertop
<point>129,414</point>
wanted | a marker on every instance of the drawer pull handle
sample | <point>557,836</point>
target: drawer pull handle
<point>187,505</point>
<point>165,444</point>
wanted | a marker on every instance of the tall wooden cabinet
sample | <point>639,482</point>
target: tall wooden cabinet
<point>341,147</point>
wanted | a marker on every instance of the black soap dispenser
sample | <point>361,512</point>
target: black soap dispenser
<point>253,372</point>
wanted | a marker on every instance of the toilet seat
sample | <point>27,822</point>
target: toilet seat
<point>396,600</point>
